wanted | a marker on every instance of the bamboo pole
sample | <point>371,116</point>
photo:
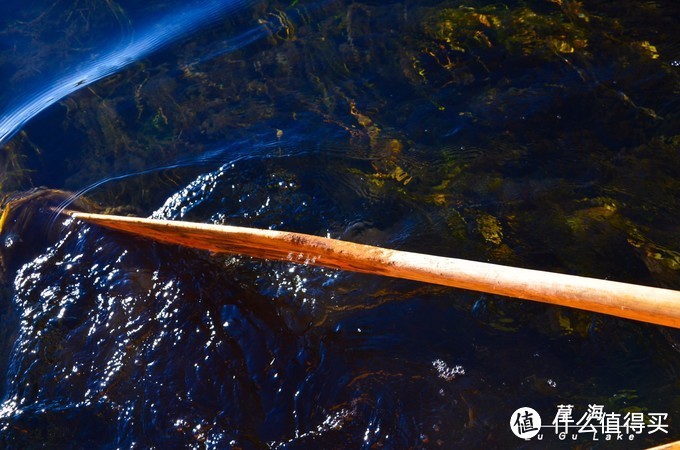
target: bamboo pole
<point>643,303</point>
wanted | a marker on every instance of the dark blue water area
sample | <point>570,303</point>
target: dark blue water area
<point>533,134</point>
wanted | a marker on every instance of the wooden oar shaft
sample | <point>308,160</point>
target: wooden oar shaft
<point>643,303</point>
<point>670,446</point>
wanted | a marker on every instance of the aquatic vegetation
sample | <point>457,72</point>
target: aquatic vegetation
<point>490,229</point>
<point>473,43</point>
<point>384,151</point>
<point>13,171</point>
<point>661,261</point>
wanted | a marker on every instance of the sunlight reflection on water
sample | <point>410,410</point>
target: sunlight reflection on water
<point>164,32</point>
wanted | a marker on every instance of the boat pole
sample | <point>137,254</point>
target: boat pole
<point>643,303</point>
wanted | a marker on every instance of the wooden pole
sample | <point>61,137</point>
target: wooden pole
<point>643,303</point>
<point>671,445</point>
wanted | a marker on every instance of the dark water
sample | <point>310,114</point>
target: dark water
<point>539,134</point>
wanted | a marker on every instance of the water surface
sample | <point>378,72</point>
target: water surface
<point>537,134</point>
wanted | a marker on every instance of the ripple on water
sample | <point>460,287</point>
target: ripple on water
<point>109,61</point>
<point>164,345</point>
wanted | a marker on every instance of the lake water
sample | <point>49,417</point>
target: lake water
<point>540,134</point>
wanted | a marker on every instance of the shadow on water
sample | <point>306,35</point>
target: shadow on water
<point>536,134</point>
